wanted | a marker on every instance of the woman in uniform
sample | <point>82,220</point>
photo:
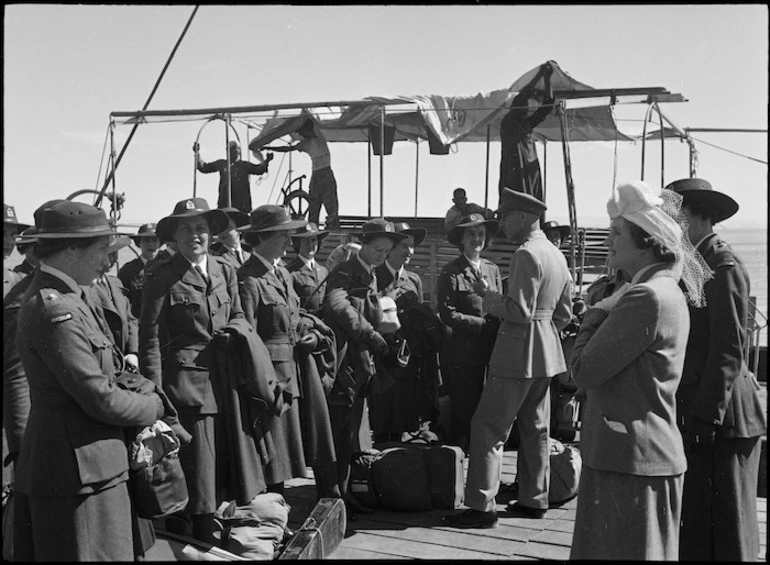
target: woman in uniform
<point>473,333</point>
<point>306,273</point>
<point>272,307</point>
<point>73,465</point>
<point>186,300</point>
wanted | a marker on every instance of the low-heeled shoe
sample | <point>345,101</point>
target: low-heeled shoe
<point>472,518</point>
<point>521,511</point>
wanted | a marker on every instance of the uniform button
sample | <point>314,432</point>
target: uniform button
<point>131,380</point>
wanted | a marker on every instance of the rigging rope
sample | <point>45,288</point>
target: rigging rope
<point>729,151</point>
<point>146,104</point>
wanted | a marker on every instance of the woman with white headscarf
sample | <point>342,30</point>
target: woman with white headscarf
<point>628,357</point>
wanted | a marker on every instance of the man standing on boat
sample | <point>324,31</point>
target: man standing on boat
<point>718,406</point>
<point>323,185</point>
<point>527,354</point>
<point>240,190</point>
<point>519,165</point>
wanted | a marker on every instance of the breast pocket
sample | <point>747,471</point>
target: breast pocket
<point>223,308</point>
<point>101,347</point>
<point>183,310</point>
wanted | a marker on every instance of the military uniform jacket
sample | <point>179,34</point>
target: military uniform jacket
<point>459,307</point>
<point>75,438</point>
<point>272,307</point>
<point>229,255</point>
<point>538,305</point>
<point>306,280</point>
<point>116,309</point>
<point>406,290</point>
<point>15,386</point>
<point>179,318</point>
<point>717,385</point>
<point>10,278</point>
<point>630,362</point>
<point>349,290</point>
<point>132,276</point>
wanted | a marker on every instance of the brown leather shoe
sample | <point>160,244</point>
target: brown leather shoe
<point>520,511</point>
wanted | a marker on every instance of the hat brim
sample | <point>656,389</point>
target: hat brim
<point>395,237</point>
<point>20,226</point>
<point>77,235</point>
<point>492,227</point>
<point>216,219</point>
<point>418,234</point>
<point>121,242</point>
<point>291,225</point>
<point>724,204</point>
<point>303,235</point>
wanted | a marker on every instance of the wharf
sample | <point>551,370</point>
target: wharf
<point>387,534</point>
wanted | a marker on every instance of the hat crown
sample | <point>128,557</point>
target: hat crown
<point>147,228</point>
<point>268,216</point>
<point>515,200</point>
<point>9,214</point>
<point>77,218</point>
<point>38,214</point>
<point>378,225</point>
<point>191,205</point>
<point>690,184</point>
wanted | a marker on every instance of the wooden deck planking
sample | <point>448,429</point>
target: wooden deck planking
<point>388,534</point>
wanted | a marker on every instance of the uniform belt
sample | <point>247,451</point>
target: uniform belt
<point>542,315</point>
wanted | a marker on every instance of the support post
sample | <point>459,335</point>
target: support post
<point>382,160</point>
<point>416,173</point>
<point>644,136</point>
<point>570,190</point>
<point>486,171</point>
<point>369,176</point>
<point>229,195</point>
<point>662,148</point>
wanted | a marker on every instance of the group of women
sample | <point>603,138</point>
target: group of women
<point>628,358</point>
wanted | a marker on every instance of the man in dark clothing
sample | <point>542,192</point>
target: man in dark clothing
<point>519,165</point>
<point>718,406</point>
<point>240,191</point>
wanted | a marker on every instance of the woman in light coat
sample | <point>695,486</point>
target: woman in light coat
<point>628,357</point>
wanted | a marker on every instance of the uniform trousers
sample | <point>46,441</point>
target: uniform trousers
<point>351,431</point>
<point>323,190</point>
<point>504,401</point>
<point>719,503</point>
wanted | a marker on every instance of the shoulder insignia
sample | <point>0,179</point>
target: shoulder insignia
<point>61,318</point>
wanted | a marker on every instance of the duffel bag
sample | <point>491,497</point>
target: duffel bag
<point>253,530</point>
<point>566,466</point>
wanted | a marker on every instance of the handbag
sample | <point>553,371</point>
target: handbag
<point>157,480</point>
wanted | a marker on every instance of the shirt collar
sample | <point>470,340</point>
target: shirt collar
<point>204,263</point>
<point>61,275</point>
<point>393,271</point>
<point>640,273</point>
<point>270,266</point>
<point>308,262</point>
<point>709,234</point>
<point>475,264</point>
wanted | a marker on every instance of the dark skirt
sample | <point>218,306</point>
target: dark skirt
<point>288,462</point>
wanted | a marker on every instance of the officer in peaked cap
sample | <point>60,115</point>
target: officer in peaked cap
<point>526,355</point>
<point>78,416</point>
<point>718,407</point>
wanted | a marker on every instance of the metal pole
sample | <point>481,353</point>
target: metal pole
<point>570,188</point>
<point>113,213</point>
<point>644,136</point>
<point>382,160</point>
<point>545,167</point>
<point>416,173</point>
<point>486,170</point>
<point>662,149</point>
<point>369,175</point>
<point>229,195</point>
<point>136,125</point>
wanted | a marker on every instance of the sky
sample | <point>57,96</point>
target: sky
<point>66,67</point>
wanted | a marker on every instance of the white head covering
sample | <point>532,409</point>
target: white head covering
<point>658,212</point>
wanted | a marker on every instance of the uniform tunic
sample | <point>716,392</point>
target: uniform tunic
<point>272,307</point>
<point>473,336</point>
<point>73,463</point>
<point>180,314</point>
<point>230,255</point>
<point>719,514</point>
<point>306,280</point>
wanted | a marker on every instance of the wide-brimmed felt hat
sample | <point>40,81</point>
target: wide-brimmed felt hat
<point>239,218</point>
<point>271,217</point>
<point>27,236</point>
<point>145,231</point>
<point>310,229</point>
<point>700,190</point>
<point>189,208</point>
<point>380,227</point>
<point>455,235</point>
<point>9,217</point>
<point>74,220</point>
<point>118,242</point>
<point>554,225</point>
<point>513,200</point>
<point>417,233</point>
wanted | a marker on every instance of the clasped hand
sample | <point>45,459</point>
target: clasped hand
<point>480,287</point>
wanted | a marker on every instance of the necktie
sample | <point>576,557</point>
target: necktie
<point>239,255</point>
<point>373,284</point>
<point>204,277</point>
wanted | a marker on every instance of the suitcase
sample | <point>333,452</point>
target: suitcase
<point>401,480</point>
<point>444,468</point>
<point>320,534</point>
